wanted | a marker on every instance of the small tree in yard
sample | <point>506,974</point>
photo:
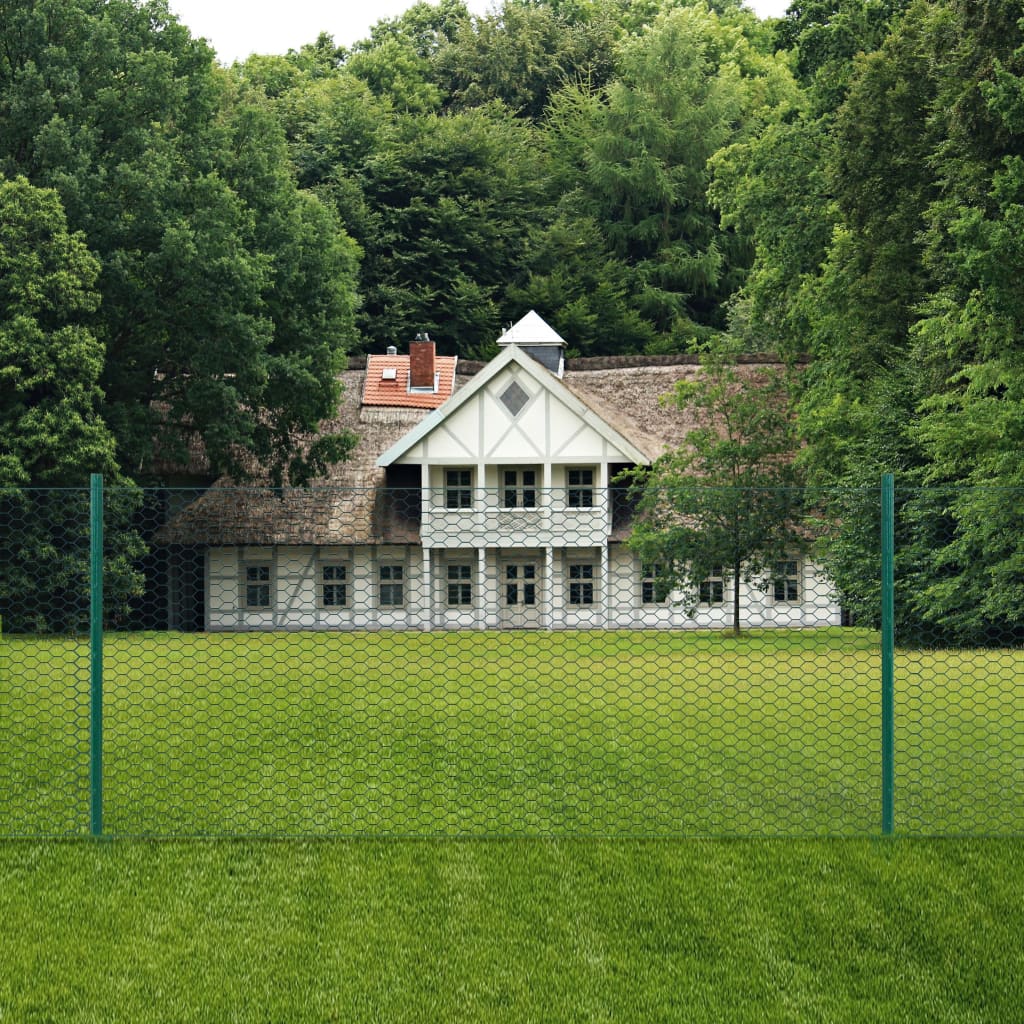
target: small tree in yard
<point>729,500</point>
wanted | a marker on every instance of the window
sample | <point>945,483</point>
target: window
<point>392,586</point>
<point>521,584</point>
<point>256,583</point>
<point>712,589</point>
<point>654,588</point>
<point>334,581</point>
<point>520,488</point>
<point>581,488</point>
<point>460,585</point>
<point>581,583</point>
<point>786,581</point>
<point>458,488</point>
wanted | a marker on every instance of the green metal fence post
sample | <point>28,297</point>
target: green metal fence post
<point>96,655</point>
<point>888,653</point>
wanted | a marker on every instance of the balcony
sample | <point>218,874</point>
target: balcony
<point>488,523</point>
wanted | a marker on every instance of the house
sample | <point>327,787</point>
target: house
<point>480,496</point>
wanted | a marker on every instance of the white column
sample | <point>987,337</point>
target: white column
<point>426,601</point>
<point>605,585</point>
<point>552,588</point>
<point>483,601</point>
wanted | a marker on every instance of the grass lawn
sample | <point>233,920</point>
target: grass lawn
<point>515,930</point>
<point>505,734</point>
<point>550,741</point>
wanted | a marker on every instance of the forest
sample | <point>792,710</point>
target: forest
<point>190,252</point>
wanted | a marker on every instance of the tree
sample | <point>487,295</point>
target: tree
<point>52,433</point>
<point>170,173</point>
<point>729,500</point>
<point>51,429</point>
<point>633,158</point>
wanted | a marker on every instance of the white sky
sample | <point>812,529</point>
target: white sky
<point>236,28</point>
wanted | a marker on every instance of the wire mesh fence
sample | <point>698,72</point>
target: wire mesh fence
<point>455,661</point>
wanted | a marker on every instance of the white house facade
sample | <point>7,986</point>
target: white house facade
<point>485,499</point>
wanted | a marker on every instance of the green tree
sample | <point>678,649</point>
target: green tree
<point>730,498</point>
<point>52,433</point>
<point>450,200</point>
<point>118,109</point>
<point>51,429</point>
<point>633,157</point>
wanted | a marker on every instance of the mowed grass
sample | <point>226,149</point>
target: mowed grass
<point>518,931</point>
<point>509,734</point>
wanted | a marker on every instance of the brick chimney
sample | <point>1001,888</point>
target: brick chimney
<point>422,353</point>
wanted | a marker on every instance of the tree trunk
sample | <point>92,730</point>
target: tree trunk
<point>736,599</point>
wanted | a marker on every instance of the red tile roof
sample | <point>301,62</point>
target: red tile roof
<point>378,391</point>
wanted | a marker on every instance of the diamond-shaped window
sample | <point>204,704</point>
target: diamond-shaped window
<point>514,398</point>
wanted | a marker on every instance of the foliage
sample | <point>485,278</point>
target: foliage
<point>51,430</point>
<point>449,201</point>
<point>729,502</point>
<point>170,178</point>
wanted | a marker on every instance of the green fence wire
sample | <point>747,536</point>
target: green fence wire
<point>493,663</point>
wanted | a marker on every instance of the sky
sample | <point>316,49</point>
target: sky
<point>236,28</point>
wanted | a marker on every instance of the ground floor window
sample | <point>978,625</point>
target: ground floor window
<point>392,585</point>
<point>712,589</point>
<point>256,586</point>
<point>581,583</point>
<point>520,584</point>
<point>786,581</point>
<point>334,585</point>
<point>460,585</point>
<point>654,587</point>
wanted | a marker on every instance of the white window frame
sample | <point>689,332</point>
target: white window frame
<point>649,573</point>
<point>579,494</point>
<point>525,587</point>
<point>518,488</point>
<point>459,580</point>
<point>322,583</point>
<point>461,490</point>
<point>791,582</point>
<point>252,565</point>
<point>386,578</point>
<point>707,587</point>
<point>582,578</point>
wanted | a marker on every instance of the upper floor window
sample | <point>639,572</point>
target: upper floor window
<point>581,488</point>
<point>519,488</point>
<point>458,488</point>
<point>786,581</point>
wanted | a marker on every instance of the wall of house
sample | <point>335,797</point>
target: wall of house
<point>569,588</point>
<point>295,583</point>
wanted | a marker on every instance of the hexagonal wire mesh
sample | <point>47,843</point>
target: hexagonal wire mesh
<point>44,662</point>
<point>469,662</point>
<point>959,660</point>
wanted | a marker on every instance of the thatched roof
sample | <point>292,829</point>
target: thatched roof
<point>352,506</point>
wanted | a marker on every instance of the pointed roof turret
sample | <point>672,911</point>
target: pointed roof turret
<point>539,340</point>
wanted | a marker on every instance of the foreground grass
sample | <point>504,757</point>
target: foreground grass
<point>520,930</point>
<point>485,734</point>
